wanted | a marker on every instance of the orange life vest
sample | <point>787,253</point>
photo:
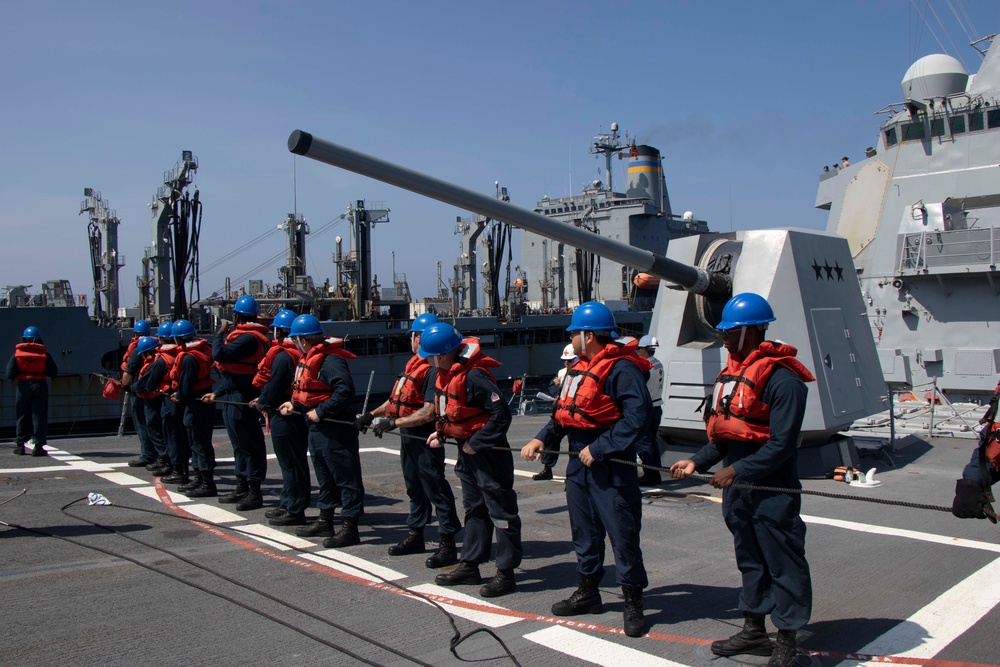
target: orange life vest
<point>30,359</point>
<point>201,350</point>
<point>406,397</point>
<point>455,417</point>
<point>248,365</point>
<point>169,354</point>
<point>582,402</point>
<point>128,353</point>
<point>146,365</point>
<point>307,389</point>
<point>736,411</point>
<point>264,367</point>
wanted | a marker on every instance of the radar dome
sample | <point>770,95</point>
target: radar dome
<point>934,76</point>
<point>688,216</point>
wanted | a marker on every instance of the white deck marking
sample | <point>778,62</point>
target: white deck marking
<point>123,464</point>
<point>150,492</point>
<point>89,466</point>
<point>481,617</point>
<point>275,538</point>
<point>122,478</point>
<point>28,471</point>
<point>342,562</point>
<point>594,650</point>
<point>898,532</point>
<point>213,513</point>
<point>931,629</point>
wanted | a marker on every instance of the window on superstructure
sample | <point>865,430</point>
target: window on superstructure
<point>913,131</point>
<point>937,127</point>
<point>993,118</point>
<point>976,122</point>
<point>957,124</point>
<point>890,137</point>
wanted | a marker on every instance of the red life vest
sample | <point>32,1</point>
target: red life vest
<point>169,354</point>
<point>736,412</point>
<point>455,417</point>
<point>201,350</point>
<point>990,436</point>
<point>30,359</point>
<point>264,367</point>
<point>147,363</point>
<point>406,397</point>
<point>582,402</point>
<point>307,389</point>
<point>128,353</point>
<point>248,365</point>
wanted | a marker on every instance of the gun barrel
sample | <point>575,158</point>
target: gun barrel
<point>691,278</point>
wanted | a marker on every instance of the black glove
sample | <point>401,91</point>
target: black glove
<point>382,426</point>
<point>364,421</point>
<point>971,501</point>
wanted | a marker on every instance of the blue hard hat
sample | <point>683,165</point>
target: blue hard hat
<point>423,321</point>
<point>284,318</point>
<point>246,305</point>
<point>141,327</point>
<point>181,329</point>
<point>163,331</point>
<point>745,310</point>
<point>31,332</point>
<point>593,316</point>
<point>305,325</point>
<point>146,343</point>
<point>439,338</point>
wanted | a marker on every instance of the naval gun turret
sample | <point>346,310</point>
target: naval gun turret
<point>808,277</point>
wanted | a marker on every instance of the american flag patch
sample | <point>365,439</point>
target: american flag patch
<point>494,397</point>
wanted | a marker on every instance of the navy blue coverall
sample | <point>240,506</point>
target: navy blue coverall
<point>175,437</point>
<point>31,403</point>
<point>605,499</point>
<point>768,532</point>
<point>197,417</point>
<point>334,446</point>
<point>487,478</point>
<point>147,410</point>
<point>288,436</point>
<point>423,473</point>
<point>242,422</point>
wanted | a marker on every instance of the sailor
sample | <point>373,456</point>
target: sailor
<point>323,390</point>
<point>753,422</point>
<point>550,456</point>
<point>191,380</point>
<point>649,448</point>
<point>150,401</point>
<point>237,351</point>
<point>288,434</point>
<point>30,366</point>
<point>845,163</point>
<point>604,409</point>
<point>410,408</point>
<point>148,457</point>
<point>973,493</point>
<point>470,408</point>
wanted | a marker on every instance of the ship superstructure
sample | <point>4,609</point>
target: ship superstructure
<point>922,215</point>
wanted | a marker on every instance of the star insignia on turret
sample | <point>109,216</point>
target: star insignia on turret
<point>828,269</point>
<point>825,268</point>
<point>817,268</point>
<point>840,271</point>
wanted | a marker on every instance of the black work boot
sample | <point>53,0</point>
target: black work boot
<point>347,536</point>
<point>751,640</point>
<point>196,481</point>
<point>502,583</point>
<point>446,554</point>
<point>322,528</point>
<point>237,494</point>
<point>207,488</point>
<point>465,573</point>
<point>275,512</point>
<point>253,499</point>
<point>586,599</point>
<point>19,450</point>
<point>179,476</point>
<point>785,652</point>
<point>413,543</point>
<point>546,473</point>
<point>635,624</point>
<point>140,463</point>
<point>39,450</point>
<point>163,468</point>
<point>287,519</point>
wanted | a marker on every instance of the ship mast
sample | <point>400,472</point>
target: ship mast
<point>105,261</point>
<point>176,221</point>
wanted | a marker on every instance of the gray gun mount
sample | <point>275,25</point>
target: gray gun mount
<point>807,276</point>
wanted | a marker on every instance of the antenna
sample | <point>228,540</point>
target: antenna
<point>295,189</point>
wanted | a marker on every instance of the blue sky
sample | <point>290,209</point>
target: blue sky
<point>746,101</point>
